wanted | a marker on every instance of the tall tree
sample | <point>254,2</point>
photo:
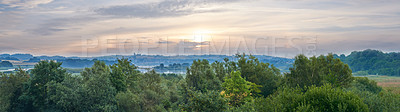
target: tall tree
<point>220,70</point>
<point>11,87</point>
<point>302,74</point>
<point>268,76</point>
<point>200,76</point>
<point>68,95</point>
<point>238,90</point>
<point>98,67</point>
<point>43,73</point>
<point>151,80</point>
<point>92,92</point>
<point>210,101</point>
<point>123,74</point>
<point>317,71</point>
<point>99,93</point>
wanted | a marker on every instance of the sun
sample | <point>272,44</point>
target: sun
<point>201,35</point>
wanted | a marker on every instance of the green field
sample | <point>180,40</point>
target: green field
<point>389,83</point>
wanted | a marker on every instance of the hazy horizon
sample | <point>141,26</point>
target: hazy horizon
<point>37,55</point>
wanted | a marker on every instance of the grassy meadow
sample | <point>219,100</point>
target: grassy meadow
<point>390,83</point>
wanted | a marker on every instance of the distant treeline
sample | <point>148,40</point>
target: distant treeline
<point>81,63</point>
<point>373,62</point>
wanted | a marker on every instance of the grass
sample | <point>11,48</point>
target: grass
<point>389,83</point>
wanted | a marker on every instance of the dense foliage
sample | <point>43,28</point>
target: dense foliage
<point>317,71</point>
<point>322,99</point>
<point>238,90</point>
<point>313,84</point>
<point>373,62</point>
<point>201,76</point>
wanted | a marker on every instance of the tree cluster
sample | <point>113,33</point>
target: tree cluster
<point>373,62</point>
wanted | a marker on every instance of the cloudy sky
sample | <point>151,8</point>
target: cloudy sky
<point>180,27</point>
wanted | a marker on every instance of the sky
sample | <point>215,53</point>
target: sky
<point>281,28</point>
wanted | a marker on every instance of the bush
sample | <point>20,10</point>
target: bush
<point>364,84</point>
<point>330,99</point>
<point>317,71</point>
<point>380,102</point>
<point>211,101</point>
<point>324,98</point>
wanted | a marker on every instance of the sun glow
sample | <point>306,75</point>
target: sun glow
<point>201,35</point>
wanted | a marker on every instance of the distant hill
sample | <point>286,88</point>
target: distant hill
<point>373,62</point>
<point>19,57</point>
<point>5,64</point>
<point>4,55</point>
<point>33,60</point>
<point>22,56</point>
<point>9,58</point>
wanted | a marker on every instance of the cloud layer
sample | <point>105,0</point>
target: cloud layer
<point>59,27</point>
<point>22,4</point>
<point>168,8</point>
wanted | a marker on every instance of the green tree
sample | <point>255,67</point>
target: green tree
<point>151,80</point>
<point>260,73</point>
<point>129,101</point>
<point>92,92</point>
<point>123,74</point>
<point>11,87</point>
<point>36,90</point>
<point>170,86</point>
<point>68,95</point>
<point>377,99</point>
<point>98,91</point>
<point>374,62</point>
<point>364,84</point>
<point>286,99</point>
<point>210,101</point>
<point>317,71</point>
<point>322,99</point>
<point>219,69</point>
<point>381,102</point>
<point>200,76</point>
<point>330,99</point>
<point>238,90</point>
<point>152,92</point>
<point>98,67</point>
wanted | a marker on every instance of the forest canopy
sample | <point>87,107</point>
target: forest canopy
<point>373,62</point>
